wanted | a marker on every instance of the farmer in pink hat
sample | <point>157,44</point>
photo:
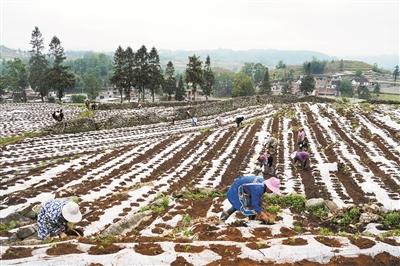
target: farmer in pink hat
<point>54,216</point>
<point>245,195</point>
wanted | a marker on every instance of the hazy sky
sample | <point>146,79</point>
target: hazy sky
<point>335,27</point>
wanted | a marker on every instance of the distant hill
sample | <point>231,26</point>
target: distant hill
<point>266,57</point>
<point>8,53</point>
<point>232,59</point>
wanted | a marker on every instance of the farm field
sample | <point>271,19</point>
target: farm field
<point>153,194</point>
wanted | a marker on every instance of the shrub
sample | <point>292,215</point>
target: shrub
<point>321,211</point>
<point>273,209</point>
<point>350,216</point>
<point>392,219</point>
<point>298,202</point>
<point>78,98</point>
<point>295,201</point>
<point>325,231</point>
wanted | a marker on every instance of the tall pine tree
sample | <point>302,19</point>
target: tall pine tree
<point>266,84</point>
<point>128,72</point>
<point>169,86</point>
<point>180,90</point>
<point>194,74</point>
<point>59,77</point>
<point>38,65</point>
<point>208,77</point>
<point>118,76</point>
<point>141,70</point>
<point>155,77</point>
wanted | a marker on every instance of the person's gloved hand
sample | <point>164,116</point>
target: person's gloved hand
<point>266,217</point>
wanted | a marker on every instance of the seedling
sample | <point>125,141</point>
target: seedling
<point>325,231</point>
<point>186,219</point>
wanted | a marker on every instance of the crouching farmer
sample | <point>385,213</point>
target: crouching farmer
<point>54,216</point>
<point>246,193</point>
<point>301,157</point>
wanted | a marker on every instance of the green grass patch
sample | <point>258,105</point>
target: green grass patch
<point>325,231</point>
<point>204,130</point>
<point>395,232</point>
<point>158,206</point>
<point>85,113</point>
<point>295,201</point>
<point>8,226</point>
<point>18,138</point>
<point>388,97</point>
<point>200,195</point>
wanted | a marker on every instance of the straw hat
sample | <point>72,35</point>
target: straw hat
<point>273,184</point>
<point>71,212</point>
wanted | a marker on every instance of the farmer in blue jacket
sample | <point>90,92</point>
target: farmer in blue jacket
<point>245,195</point>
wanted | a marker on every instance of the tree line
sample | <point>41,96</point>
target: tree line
<point>44,72</point>
<point>141,71</point>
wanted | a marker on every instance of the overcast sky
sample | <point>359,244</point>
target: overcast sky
<point>335,27</point>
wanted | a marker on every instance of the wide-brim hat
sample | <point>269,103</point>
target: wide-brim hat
<point>273,184</point>
<point>71,212</point>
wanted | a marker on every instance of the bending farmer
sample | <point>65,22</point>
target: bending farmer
<point>245,195</point>
<point>54,216</point>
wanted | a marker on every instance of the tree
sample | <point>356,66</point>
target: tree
<point>341,65</point>
<point>98,64</point>
<point>287,88</point>
<point>345,88</point>
<point>307,84</point>
<point>169,86</point>
<point>224,83</point>
<point>280,65</point>
<point>242,85</point>
<point>377,89</point>
<point>3,84</point>
<point>314,67</point>
<point>266,85</point>
<point>155,76</point>
<point>376,69</point>
<point>16,79</point>
<point>141,70</point>
<point>363,92</point>
<point>290,76</point>
<point>59,77</point>
<point>128,72</point>
<point>180,90</point>
<point>259,72</point>
<point>38,65</point>
<point>208,77</point>
<point>396,72</point>
<point>91,85</point>
<point>255,71</point>
<point>194,74</point>
<point>117,78</point>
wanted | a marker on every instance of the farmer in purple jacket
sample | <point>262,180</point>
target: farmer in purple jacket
<point>246,193</point>
<point>301,156</point>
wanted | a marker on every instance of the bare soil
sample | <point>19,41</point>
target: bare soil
<point>150,249</point>
<point>63,249</point>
